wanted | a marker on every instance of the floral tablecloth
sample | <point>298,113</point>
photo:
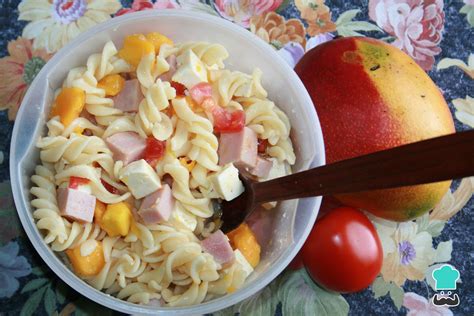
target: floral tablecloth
<point>438,35</point>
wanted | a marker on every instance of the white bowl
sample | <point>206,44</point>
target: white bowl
<point>246,52</point>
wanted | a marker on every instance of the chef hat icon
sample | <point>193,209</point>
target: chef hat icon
<point>445,277</point>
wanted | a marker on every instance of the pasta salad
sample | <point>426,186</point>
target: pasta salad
<point>142,144</point>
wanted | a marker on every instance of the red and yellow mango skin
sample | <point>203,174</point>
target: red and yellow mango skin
<point>371,96</point>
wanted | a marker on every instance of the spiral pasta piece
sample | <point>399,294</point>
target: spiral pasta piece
<point>77,234</point>
<point>146,70</point>
<point>47,214</point>
<point>120,125</point>
<point>56,128</point>
<point>204,144</point>
<point>210,54</point>
<point>102,108</point>
<point>181,191</point>
<point>79,150</point>
<point>230,84</point>
<point>80,78</point>
<point>149,119</point>
<point>53,148</point>
<point>99,65</point>
<point>282,150</point>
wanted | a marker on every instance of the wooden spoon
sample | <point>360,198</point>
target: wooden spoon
<point>442,158</point>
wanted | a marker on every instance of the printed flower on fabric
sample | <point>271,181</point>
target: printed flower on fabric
<point>241,11</point>
<point>17,72</point>
<point>53,24</point>
<point>140,5</point>
<point>292,52</point>
<point>418,305</point>
<point>468,10</point>
<point>317,15</point>
<point>417,26</point>
<point>407,252</point>
<point>274,29</point>
<point>12,267</point>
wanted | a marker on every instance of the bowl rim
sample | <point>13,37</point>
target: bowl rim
<point>112,302</point>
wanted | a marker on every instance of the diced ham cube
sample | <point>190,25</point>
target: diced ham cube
<point>200,92</point>
<point>157,207</point>
<point>76,205</point>
<point>239,148</point>
<point>217,244</point>
<point>261,221</point>
<point>130,97</point>
<point>173,66</point>
<point>262,167</point>
<point>126,146</point>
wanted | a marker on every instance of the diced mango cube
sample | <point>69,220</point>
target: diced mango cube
<point>117,219</point>
<point>112,84</point>
<point>69,104</point>
<point>134,48</point>
<point>158,39</point>
<point>88,265</point>
<point>243,238</point>
<point>99,211</point>
<point>187,164</point>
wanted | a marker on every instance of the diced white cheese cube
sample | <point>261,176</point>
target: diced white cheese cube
<point>191,70</point>
<point>278,170</point>
<point>226,182</point>
<point>240,259</point>
<point>182,218</point>
<point>140,178</point>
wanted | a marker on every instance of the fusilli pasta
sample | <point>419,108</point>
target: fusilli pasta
<point>165,139</point>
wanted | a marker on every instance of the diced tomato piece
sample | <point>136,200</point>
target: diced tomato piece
<point>154,150</point>
<point>109,187</point>
<point>180,89</point>
<point>262,145</point>
<point>75,182</point>
<point>200,92</point>
<point>228,122</point>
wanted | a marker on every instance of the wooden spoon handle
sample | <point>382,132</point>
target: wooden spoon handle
<point>442,158</point>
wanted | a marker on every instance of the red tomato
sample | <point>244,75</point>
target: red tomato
<point>262,145</point>
<point>154,150</point>
<point>228,122</point>
<point>180,89</point>
<point>75,182</point>
<point>343,252</point>
<point>109,187</point>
